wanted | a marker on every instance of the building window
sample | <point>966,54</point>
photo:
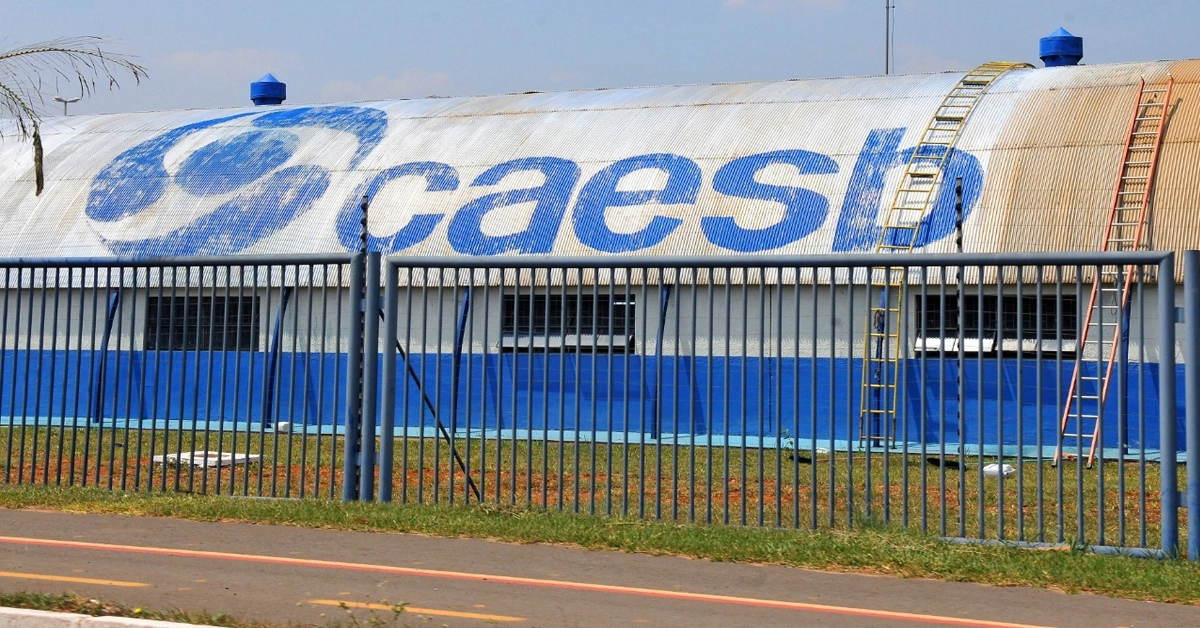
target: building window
<point>1002,328</point>
<point>573,322</point>
<point>202,323</point>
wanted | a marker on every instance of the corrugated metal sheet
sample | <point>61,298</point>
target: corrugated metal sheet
<point>1042,150</point>
<point>1054,162</point>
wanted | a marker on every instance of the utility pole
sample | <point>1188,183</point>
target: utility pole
<point>889,62</point>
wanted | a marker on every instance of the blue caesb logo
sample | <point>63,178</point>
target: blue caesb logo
<point>246,177</point>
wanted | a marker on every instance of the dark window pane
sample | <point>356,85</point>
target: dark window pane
<point>596,322</point>
<point>998,317</point>
<point>201,323</point>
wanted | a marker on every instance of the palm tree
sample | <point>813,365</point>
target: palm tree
<point>24,73</point>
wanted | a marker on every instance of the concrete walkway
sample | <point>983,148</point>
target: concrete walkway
<point>282,574</point>
<point>22,618</point>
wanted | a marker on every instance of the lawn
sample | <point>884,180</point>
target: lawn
<point>1115,503</point>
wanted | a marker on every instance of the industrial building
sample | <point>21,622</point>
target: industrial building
<point>782,168</point>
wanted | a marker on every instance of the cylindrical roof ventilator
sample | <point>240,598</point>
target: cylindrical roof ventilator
<point>1061,48</point>
<point>268,90</point>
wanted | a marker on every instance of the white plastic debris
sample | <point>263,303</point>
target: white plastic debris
<point>821,451</point>
<point>207,459</point>
<point>994,470</point>
<point>283,427</point>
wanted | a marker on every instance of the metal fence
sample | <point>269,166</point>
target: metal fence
<point>791,392</point>
<point>201,375</point>
<point>958,395</point>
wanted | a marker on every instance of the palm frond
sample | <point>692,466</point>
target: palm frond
<point>26,74</point>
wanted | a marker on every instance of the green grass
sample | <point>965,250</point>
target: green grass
<point>872,547</point>
<point>681,483</point>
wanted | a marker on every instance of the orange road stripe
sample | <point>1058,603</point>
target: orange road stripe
<point>530,582</point>
<point>38,576</point>
<point>422,611</point>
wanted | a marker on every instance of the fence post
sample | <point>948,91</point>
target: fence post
<point>351,463</point>
<point>1191,383</point>
<point>1168,479</point>
<point>370,378</point>
<point>387,426</point>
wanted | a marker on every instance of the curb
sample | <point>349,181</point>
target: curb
<point>25,618</point>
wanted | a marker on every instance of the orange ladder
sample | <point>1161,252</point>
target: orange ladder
<point>1101,333</point>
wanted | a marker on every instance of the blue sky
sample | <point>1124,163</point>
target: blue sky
<point>205,53</point>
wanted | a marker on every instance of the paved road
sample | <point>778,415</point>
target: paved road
<point>283,574</point>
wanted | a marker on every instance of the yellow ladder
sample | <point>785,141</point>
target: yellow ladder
<point>882,349</point>
<point>1101,333</point>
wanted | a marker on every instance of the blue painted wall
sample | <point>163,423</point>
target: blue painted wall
<point>606,397</point>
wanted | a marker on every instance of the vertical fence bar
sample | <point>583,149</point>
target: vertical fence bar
<point>1142,378</point>
<point>78,379</point>
<point>406,355</point>
<point>468,339</point>
<point>28,344</point>
<point>1191,357</point>
<point>387,423</point>
<point>370,378</point>
<point>62,428</point>
<point>294,367</point>
<point>8,452</point>
<point>1166,403</point>
<point>423,372</point>
<point>35,440</point>
<point>351,465</point>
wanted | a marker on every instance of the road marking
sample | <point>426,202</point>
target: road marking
<point>529,582</point>
<point>420,611</point>
<point>39,576</point>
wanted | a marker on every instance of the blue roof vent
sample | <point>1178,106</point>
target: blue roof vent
<point>1061,48</point>
<point>268,90</point>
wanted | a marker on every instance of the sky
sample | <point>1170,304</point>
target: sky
<point>206,53</point>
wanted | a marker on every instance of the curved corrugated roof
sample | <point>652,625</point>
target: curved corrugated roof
<point>805,166</point>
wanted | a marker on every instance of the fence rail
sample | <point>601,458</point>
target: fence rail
<point>748,391</point>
